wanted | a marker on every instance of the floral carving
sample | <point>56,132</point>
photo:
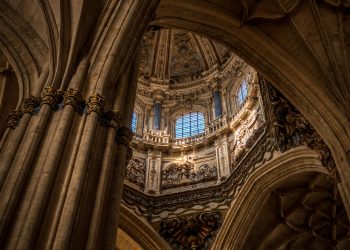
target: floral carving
<point>192,232</point>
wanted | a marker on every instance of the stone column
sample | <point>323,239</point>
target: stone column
<point>62,167</point>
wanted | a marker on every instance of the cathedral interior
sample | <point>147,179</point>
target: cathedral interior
<point>187,124</point>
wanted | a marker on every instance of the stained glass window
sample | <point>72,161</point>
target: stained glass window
<point>242,93</point>
<point>189,124</point>
<point>134,122</point>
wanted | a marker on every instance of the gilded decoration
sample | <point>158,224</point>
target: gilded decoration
<point>135,171</point>
<point>30,105</point>
<point>194,232</point>
<point>96,104</point>
<point>72,97</point>
<point>183,174</point>
<point>14,118</point>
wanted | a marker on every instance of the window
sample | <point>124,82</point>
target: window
<point>134,122</point>
<point>189,124</point>
<point>242,93</point>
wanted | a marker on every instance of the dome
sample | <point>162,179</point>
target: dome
<point>177,56</point>
<point>196,102</point>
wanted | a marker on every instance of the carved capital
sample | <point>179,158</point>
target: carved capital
<point>49,96</point>
<point>114,118</point>
<point>13,118</point>
<point>124,136</point>
<point>72,97</point>
<point>96,104</point>
<point>30,104</point>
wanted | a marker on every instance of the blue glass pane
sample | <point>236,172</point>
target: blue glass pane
<point>242,92</point>
<point>189,124</point>
<point>134,122</point>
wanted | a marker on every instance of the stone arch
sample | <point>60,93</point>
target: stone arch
<point>140,230</point>
<point>301,77</point>
<point>241,216</point>
<point>24,50</point>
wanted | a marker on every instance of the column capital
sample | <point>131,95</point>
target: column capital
<point>72,97</point>
<point>30,104</point>
<point>96,104</point>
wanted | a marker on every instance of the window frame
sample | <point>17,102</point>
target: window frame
<point>192,124</point>
<point>242,92</point>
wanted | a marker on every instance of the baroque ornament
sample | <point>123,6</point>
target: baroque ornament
<point>193,232</point>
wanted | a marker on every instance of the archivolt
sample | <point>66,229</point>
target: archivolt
<point>23,48</point>
<point>242,214</point>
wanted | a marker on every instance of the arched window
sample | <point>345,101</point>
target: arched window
<point>134,122</point>
<point>242,92</point>
<point>189,124</point>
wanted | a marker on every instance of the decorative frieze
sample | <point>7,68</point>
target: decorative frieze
<point>96,104</point>
<point>14,118</point>
<point>191,232</point>
<point>183,174</point>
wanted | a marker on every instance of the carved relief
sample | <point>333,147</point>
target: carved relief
<point>293,130</point>
<point>183,174</point>
<point>191,232</point>
<point>135,171</point>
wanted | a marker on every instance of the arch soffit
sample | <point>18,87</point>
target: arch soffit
<point>244,209</point>
<point>24,49</point>
<point>287,74</point>
<point>140,230</point>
